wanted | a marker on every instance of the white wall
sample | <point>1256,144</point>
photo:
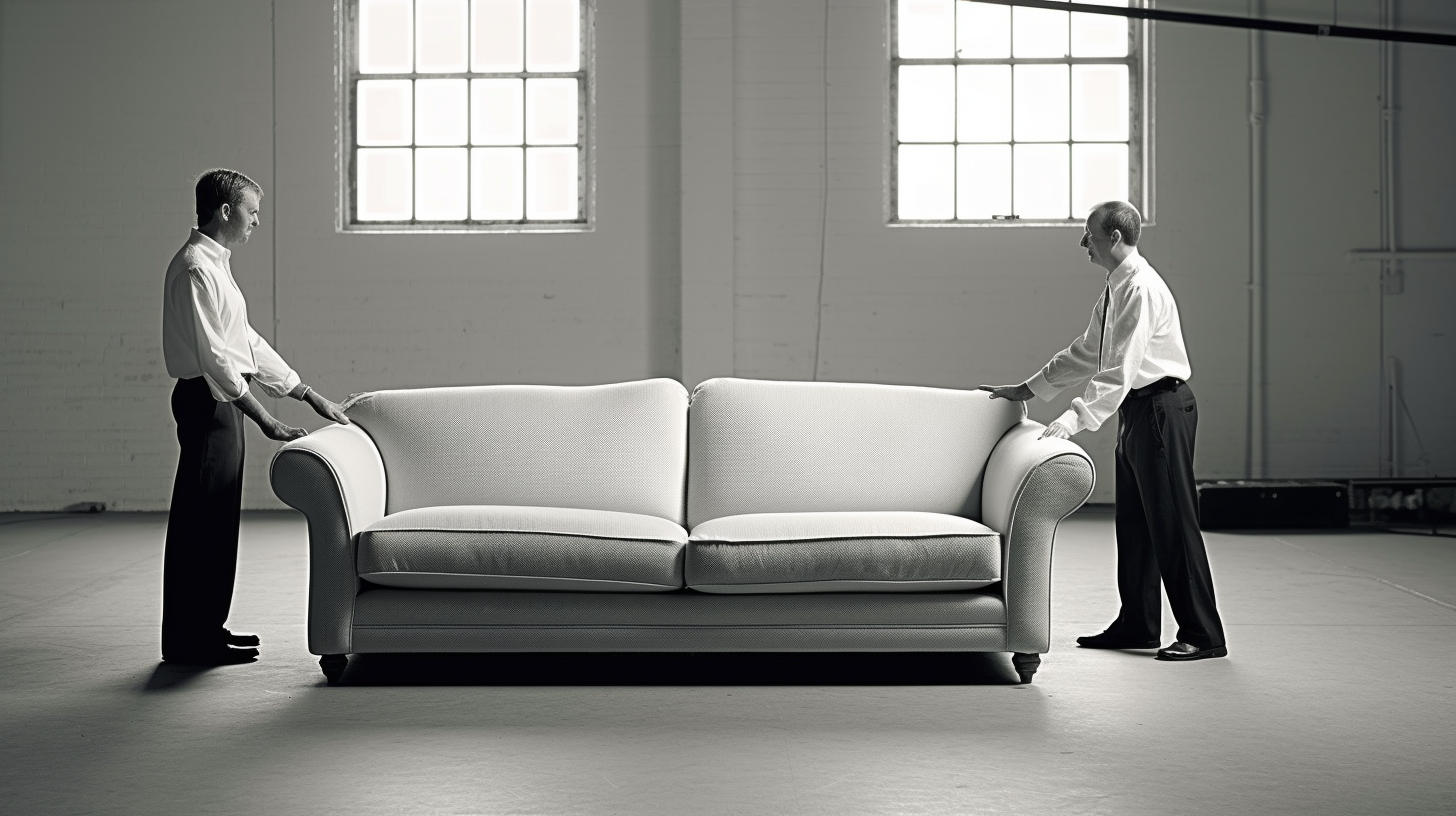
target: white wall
<point>706,256</point>
<point>139,97</point>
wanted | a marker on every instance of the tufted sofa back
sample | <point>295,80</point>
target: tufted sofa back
<point>760,446</point>
<point>620,447</point>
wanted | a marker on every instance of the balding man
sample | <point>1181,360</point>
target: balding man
<point>1133,362</point>
<point>217,359</point>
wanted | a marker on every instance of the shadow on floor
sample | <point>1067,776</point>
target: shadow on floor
<point>173,676</point>
<point>681,669</point>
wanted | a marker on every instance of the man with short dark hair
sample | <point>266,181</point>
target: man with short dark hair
<point>1134,363</point>
<point>216,357</point>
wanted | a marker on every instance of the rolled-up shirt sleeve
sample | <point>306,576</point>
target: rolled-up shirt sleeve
<point>223,378</point>
<point>274,375</point>
<point>1130,327</point>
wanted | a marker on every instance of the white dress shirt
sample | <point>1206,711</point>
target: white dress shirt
<point>1144,344</point>
<point>205,331</point>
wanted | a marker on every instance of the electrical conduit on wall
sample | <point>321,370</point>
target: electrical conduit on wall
<point>1254,467</point>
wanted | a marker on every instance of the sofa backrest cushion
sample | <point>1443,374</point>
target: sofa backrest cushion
<point>761,446</point>
<point>620,447</point>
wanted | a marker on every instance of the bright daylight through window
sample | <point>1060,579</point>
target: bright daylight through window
<point>1006,114</point>
<point>465,114</point>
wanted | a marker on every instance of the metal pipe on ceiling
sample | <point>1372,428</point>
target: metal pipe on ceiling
<point>1196,18</point>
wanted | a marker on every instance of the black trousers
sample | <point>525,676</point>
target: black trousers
<point>1158,536</point>
<point>201,557</point>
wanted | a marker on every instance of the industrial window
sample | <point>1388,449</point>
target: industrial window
<point>465,115</point>
<point>1003,114</point>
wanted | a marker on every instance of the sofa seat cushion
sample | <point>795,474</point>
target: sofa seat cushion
<point>842,552</point>
<point>509,547</point>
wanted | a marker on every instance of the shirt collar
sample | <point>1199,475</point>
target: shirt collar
<point>1125,269</point>
<point>212,249</point>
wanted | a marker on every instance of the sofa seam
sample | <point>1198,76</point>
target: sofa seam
<point>457,530</point>
<point>685,626</point>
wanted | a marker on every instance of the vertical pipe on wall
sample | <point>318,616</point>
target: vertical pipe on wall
<point>1392,392</point>
<point>1254,465</point>
<point>1389,267</point>
<point>823,197</point>
<point>273,182</point>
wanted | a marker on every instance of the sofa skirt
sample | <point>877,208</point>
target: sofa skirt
<point>399,620</point>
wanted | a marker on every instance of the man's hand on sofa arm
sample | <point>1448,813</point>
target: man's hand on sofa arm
<point>270,426</point>
<point>1015,393</point>
<point>319,403</point>
<point>1056,430</point>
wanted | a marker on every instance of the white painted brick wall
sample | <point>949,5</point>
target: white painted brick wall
<point>706,256</point>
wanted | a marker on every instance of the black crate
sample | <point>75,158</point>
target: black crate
<point>1264,505</point>
<point>1401,503</point>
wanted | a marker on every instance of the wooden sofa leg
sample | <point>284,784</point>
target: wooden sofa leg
<point>1026,665</point>
<point>333,666</point>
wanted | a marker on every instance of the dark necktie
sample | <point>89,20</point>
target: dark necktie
<point>1106,296</point>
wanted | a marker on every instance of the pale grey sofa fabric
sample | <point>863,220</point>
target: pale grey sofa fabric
<point>765,527</point>
<point>1031,485</point>
<point>804,450</point>
<point>336,478</point>
<point>391,620</point>
<point>506,547</point>
<point>884,551</point>
<point>620,447</point>
<point>784,447</point>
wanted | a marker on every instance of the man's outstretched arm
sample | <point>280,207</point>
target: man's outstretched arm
<point>1015,393</point>
<point>272,428</point>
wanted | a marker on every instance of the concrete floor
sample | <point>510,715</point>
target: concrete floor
<point>1337,698</point>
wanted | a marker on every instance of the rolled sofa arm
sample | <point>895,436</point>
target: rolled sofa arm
<point>1030,485</point>
<point>335,477</point>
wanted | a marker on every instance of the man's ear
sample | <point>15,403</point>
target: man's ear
<point>1114,238</point>
<point>225,210</point>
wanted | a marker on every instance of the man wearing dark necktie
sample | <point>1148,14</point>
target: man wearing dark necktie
<point>216,357</point>
<point>1133,362</point>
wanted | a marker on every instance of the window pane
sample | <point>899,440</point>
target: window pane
<point>1099,173</point>
<point>500,30</point>
<point>496,107</point>
<point>927,103</point>
<point>440,184</point>
<point>926,184</point>
<point>1099,35</point>
<point>440,112</point>
<point>551,183</point>
<point>384,183</point>
<point>983,181</point>
<point>1041,181</point>
<point>386,33</point>
<point>1099,103</point>
<point>1041,103</point>
<point>984,106</point>
<point>553,35</point>
<point>1038,33</point>
<point>441,32</point>
<point>927,28</point>
<point>983,31</point>
<point>383,112</point>
<point>551,111</point>
<point>496,184</point>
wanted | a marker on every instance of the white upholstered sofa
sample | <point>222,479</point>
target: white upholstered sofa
<point>752,516</point>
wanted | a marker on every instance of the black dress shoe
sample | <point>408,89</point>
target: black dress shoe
<point>1187,651</point>
<point>243,639</point>
<point>1114,641</point>
<point>214,656</point>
